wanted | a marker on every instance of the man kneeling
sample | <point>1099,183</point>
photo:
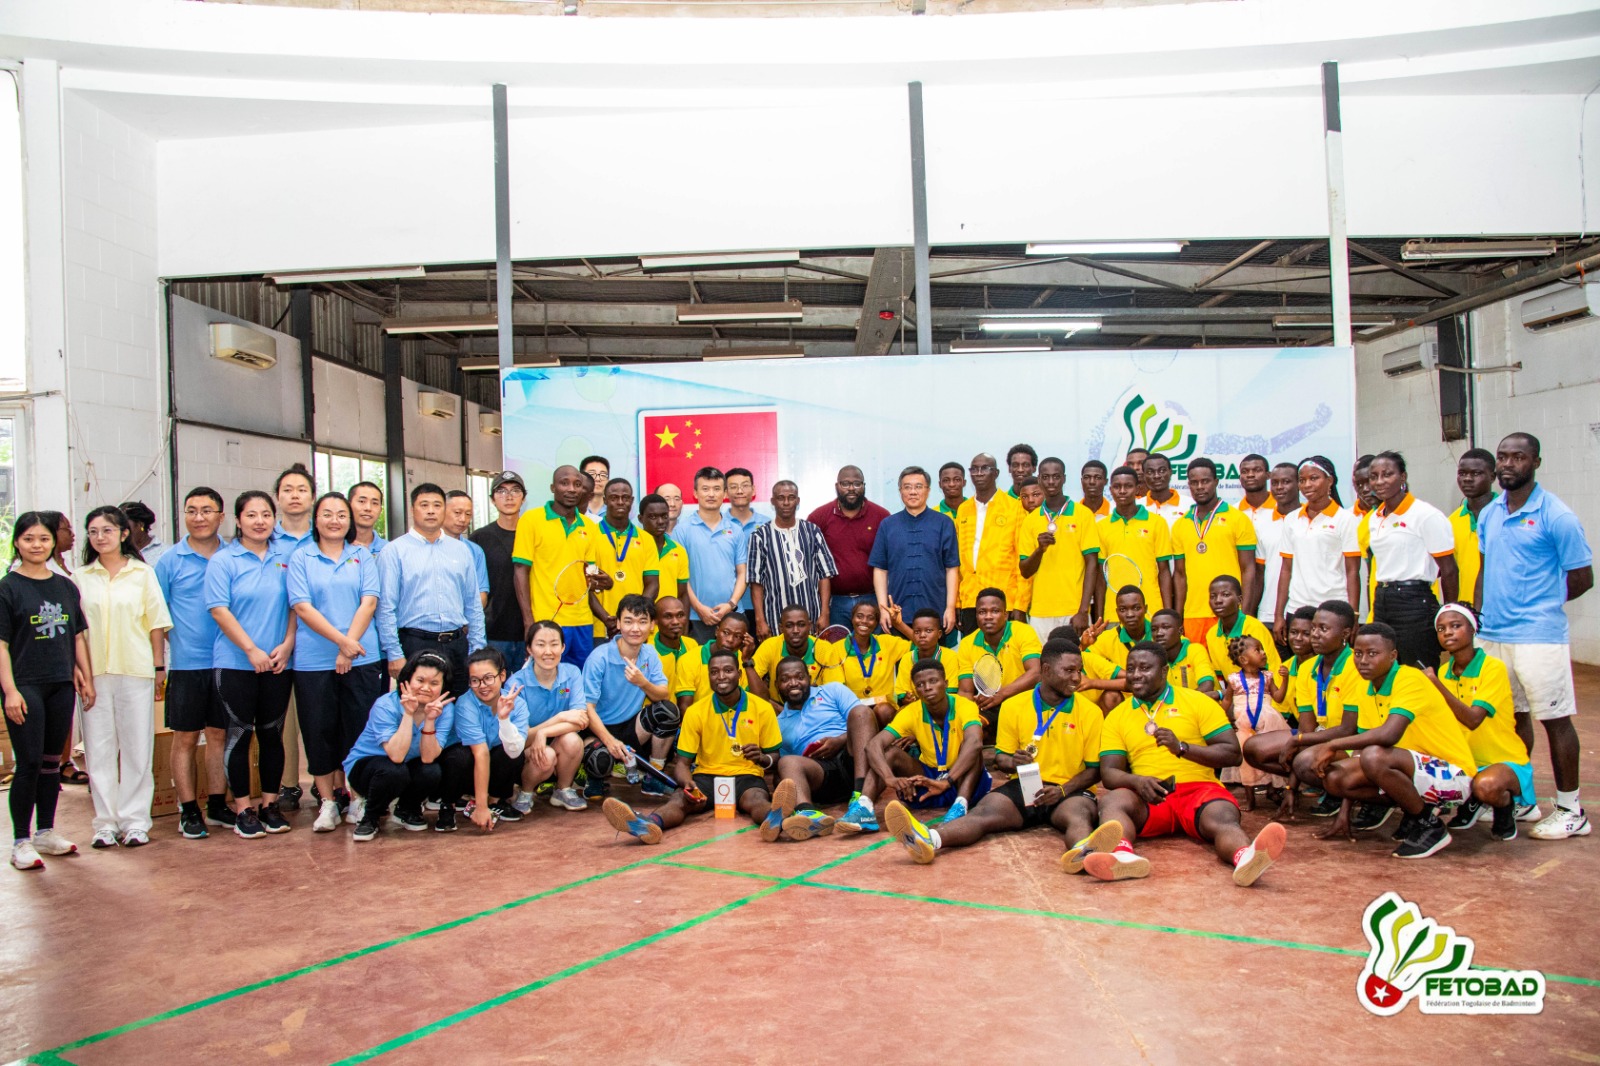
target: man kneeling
<point>728,734</point>
<point>1054,729</point>
<point>1159,757</point>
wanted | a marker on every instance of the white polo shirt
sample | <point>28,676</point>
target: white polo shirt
<point>1318,544</point>
<point>1176,507</point>
<point>1408,541</point>
<point>1269,541</point>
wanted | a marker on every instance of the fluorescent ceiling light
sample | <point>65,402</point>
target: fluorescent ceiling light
<point>1035,324</point>
<point>1426,250</point>
<point>998,345</point>
<point>474,363</point>
<point>788,310</point>
<point>1107,248</point>
<point>792,351</point>
<point>442,324</point>
<point>1324,320</point>
<point>306,277</point>
<point>715,259</point>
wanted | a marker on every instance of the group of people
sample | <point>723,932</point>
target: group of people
<point>1108,663</point>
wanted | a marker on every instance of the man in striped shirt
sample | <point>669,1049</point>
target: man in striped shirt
<point>790,564</point>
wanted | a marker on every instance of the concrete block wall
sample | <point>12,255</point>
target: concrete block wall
<point>231,462</point>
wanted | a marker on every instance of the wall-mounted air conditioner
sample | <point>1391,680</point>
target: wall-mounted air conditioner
<point>1411,360</point>
<point>1568,303</point>
<point>489,423</point>
<point>243,346</point>
<point>441,405</point>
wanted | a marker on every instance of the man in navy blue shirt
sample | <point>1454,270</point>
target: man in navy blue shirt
<point>915,560</point>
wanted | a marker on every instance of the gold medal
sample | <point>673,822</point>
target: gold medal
<point>1201,547</point>
<point>1150,728</point>
<point>621,576</point>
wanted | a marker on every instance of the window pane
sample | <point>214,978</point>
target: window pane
<point>346,472</point>
<point>13,354</point>
<point>8,488</point>
<point>377,472</point>
<point>319,470</point>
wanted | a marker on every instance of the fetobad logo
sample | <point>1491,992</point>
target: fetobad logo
<point>1413,957</point>
<point>1160,426</point>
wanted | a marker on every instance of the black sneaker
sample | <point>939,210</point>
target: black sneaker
<point>341,796</point>
<point>444,821</point>
<point>1326,807</point>
<point>248,825</point>
<point>1468,812</point>
<point>1369,816</point>
<point>1408,822</point>
<point>412,820</point>
<point>1504,826</point>
<point>1428,836</point>
<point>192,825</point>
<point>505,812</point>
<point>316,797</point>
<point>289,798</point>
<point>272,820</point>
<point>366,829</point>
<point>220,816</point>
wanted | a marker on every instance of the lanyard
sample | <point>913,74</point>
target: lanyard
<point>626,543</point>
<point>866,666</point>
<point>732,728</point>
<point>1050,524</point>
<point>1040,725</point>
<point>1261,694</point>
<point>940,748</point>
<point>1210,518</point>
<point>1322,680</point>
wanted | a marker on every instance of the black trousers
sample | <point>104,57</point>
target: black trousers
<point>454,651</point>
<point>382,781</point>
<point>256,703</point>
<point>505,773</point>
<point>333,711</point>
<point>1409,610</point>
<point>36,744</point>
<point>455,773</point>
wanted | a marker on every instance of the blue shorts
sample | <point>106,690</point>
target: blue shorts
<point>1524,772</point>
<point>944,799</point>
<point>579,643</point>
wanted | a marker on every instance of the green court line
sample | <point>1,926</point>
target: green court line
<point>255,986</point>
<point>717,870</point>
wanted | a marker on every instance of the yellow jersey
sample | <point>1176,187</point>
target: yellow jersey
<point>822,661</point>
<point>688,647</point>
<point>1058,583</point>
<point>1114,643</point>
<point>546,543</point>
<point>1191,666</point>
<point>1145,539</point>
<point>1098,667</point>
<point>1067,733</point>
<point>1329,697</point>
<point>1018,646</point>
<point>1210,549</point>
<point>938,746</point>
<point>1485,683</point>
<point>1464,524</point>
<point>1244,625</point>
<point>673,568</point>
<point>870,673</point>
<point>1193,717</point>
<point>1431,728</point>
<point>902,672</point>
<point>628,555</point>
<point>691,678</point>
<point>710,729</point>
<point>996,562</point>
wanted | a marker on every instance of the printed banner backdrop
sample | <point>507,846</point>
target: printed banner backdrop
<point>802,419</point>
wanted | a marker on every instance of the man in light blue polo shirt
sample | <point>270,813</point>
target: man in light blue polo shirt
<point>619,678</point>
<point>717,550</point>
<point>741,489</point>
<point>1535,559</point>
<point>818,760</point>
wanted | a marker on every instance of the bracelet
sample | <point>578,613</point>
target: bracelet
<point>429,732</point>
<point>161,669</point>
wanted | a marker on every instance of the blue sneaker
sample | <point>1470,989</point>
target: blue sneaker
<point>910,832</point>
<point>623,820</point>
<point>804,825</point>
<point>858,819</point>
<point>595,788</point>
<point>957,809</point>
<point>772,825</point>
<point>651,787</point>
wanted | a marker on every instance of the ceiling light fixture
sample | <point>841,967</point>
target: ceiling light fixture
<point>442,324</point>
<point>306,277</point>
<point>1422,251</point>
<point>475,363</point>
<point>1036,324</point>
<point>965,347</point>
<point>1324,320</point>
<point>1106,248</point>
<point>786,311</point>
<point>714,355</point>
<point>715,259</point>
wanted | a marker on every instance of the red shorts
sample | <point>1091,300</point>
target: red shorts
<point>1180,809</point>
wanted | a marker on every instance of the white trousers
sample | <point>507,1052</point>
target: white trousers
<point>119,736</point>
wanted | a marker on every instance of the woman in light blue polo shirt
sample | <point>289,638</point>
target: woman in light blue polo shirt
<point>246,592</point>
<point>396,757</point>
<point>553,692</point>
<point>333,589</point>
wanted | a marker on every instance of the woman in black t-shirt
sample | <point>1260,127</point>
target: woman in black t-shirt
<point>44,655</point>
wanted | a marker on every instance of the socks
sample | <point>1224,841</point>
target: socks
<point>659,764</point>
<point>656,818</point>
<point>190,807</point>
<point>214,801</point>
<point>933,835</point>
<point>1569,800</point>
<point>1243,853</point>
<point>861,783</point>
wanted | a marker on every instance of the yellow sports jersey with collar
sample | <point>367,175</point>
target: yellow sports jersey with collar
<point>1433,728</point>
<point>1069,742</point>
<point>902,671</point>
<point>822,661</point>
<point>997,548</point>
<point>546,544</point>
<point>672,565</point>
<point>913,720</point>
<point>692,679</point>
<point>1464,524</point>
<point>1244,625</point>
<point>688,648</point>
<point>1485,683</point>
<point>1193,718</point>
<point>628,555</point>
<point>1114,643</point>
<point>1191,666</point>
<point>1058,583</point>
<point>1210,549</point>
<point>1098,667</point>
<point>870,674</point>
<point>1018,645</point>
<point>709,730</point>
<point>1342,692</point>
<point>1147,540</point>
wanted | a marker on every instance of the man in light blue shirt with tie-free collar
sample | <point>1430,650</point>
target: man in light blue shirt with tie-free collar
<point>430,595</point>
<point>741,488</point>
<point>717,550</point>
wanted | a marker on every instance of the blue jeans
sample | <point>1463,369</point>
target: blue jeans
<point>515,651</point>
<point>840,608</point>
<point>580,642</point>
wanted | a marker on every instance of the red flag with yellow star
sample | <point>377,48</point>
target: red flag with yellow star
<point>674,444</point>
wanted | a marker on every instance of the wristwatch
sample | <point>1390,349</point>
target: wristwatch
<point>1183,749</point>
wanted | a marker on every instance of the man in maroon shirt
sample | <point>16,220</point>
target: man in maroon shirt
<point>850,525</point>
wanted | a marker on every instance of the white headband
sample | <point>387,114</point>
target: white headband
<point>1318,464</point>
<point>1456,608</point>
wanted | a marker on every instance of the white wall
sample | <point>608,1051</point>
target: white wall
<point>435,439</point>
<point>232,462</point>
<point>483,450</point>
<point>446,475</point>
<point>1556,397</point>
<point>349,409</point>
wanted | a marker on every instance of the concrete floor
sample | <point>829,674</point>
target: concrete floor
<point>551,940</point>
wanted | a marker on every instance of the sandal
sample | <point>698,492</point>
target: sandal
<point>71,775</point>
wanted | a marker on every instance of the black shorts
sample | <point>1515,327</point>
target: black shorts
<point>742,783</point>
<point>838,779</point>
<point>627,731</point>
<point>1035,814</point>
<point>192,702</point>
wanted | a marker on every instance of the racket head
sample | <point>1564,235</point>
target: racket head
<point>1120,570</point>
<point>987,675</point>
<point>571,584</point>
<point>644,766</point>
<point>833,634</point>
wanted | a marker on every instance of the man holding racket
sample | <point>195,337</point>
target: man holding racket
<point>619,679</point>
<point>1132,626</point>
<point>554,559</point>
<point>1135,547</point>
<point>823,757</point>
<point>1159,757</point>
<point>997,661</point>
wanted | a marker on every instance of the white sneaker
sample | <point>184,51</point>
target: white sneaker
<point>135,838</point>
<point>50,842</point>
<point>1529,812</point>
<point>104,838</point>
<point>522,801</point>
<point>431,805</point>
<point>568,799</point>
<point>1561,824</point>
<point>24,857</point>
<point>358,807</point>
<point>327,818</point>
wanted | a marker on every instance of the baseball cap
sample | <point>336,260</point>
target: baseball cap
<point>507,477</point>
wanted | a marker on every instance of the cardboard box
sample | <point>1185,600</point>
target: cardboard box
<point>165,801</point>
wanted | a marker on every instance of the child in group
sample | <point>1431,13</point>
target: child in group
<point>1256,693</point>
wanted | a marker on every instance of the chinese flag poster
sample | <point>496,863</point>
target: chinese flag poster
<point>674,444</point>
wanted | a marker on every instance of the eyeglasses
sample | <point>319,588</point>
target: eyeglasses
<point>509,490</point>
<point>484,682</point>
<point>201,513</point>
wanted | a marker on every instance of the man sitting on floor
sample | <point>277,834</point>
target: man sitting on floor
<point>824,751</point>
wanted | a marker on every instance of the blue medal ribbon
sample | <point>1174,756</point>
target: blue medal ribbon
<point>1041,725</point>
<point>1261,695</point>
<point>939,749</point>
